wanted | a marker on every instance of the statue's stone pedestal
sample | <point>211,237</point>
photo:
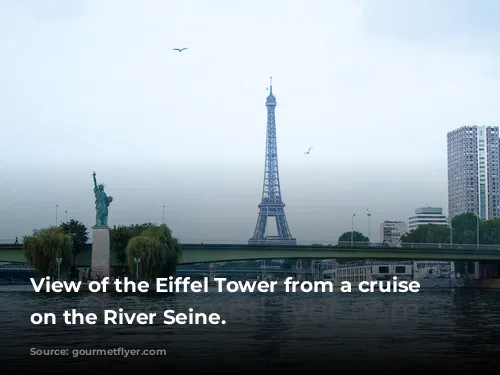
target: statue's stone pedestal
<point>100,251</point>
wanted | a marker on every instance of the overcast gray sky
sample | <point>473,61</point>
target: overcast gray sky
<point>373,85</point>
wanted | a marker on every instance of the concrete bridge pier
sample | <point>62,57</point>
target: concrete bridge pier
<point>477,270</point>
<point>486,275</point>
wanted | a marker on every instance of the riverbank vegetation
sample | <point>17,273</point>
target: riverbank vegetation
<point>159,252</point>
<point>464,230</point>
<point>45,246</point>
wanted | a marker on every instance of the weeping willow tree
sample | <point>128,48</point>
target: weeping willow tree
<point>158,250</point>
<point>45,246</point>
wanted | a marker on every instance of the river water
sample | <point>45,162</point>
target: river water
<point>455,328</point>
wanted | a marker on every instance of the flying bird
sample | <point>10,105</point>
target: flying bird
<point>308,151</point>
<point>179,49</point>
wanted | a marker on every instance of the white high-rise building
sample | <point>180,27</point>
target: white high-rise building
<point>391,232</point>
<point>427,215</point>
<point>474,171</point>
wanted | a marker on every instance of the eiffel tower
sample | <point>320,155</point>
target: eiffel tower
<point>272,205</point>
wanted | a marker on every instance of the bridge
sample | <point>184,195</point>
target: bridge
<point>213,253</point>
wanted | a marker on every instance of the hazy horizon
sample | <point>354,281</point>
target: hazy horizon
<point>94,85</point>
<point>191,199</point>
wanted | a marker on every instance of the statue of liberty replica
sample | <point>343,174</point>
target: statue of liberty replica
<point>100,233</point>
<point>102,201</point>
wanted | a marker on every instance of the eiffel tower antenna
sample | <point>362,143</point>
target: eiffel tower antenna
<point>271,205</point>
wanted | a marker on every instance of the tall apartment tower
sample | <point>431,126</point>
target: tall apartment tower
<point>474,171</point>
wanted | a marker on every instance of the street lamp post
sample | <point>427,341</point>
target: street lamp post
<point>137,261</point>
<point>369,226</point>
<point>352,230</point>
<point>163,216</point>
<point>66,212</point>
<point>451,231</point>
<point>477,232</point>
<point>57,206</point>
<point>59,261</point>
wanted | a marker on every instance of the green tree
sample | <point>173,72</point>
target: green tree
<point>438,234</point>
<point>465,228</point>
<point>149,250</point>
<point>44,246</point>
<point>430,233</point>
<point>170,245</point>
<point>120,237</point>
<point>490,232</point>
<point>356,237</point>
<point>158,250</point>
<point>78,233</point>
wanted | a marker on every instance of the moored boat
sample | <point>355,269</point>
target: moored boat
<point>429,274</point>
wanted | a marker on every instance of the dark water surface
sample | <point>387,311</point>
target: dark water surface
<point>459,329</point>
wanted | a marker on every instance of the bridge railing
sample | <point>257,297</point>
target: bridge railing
<point>9,265</point>
<point>356,245</point>
<point>487,248</point>
<point>418,246</point>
